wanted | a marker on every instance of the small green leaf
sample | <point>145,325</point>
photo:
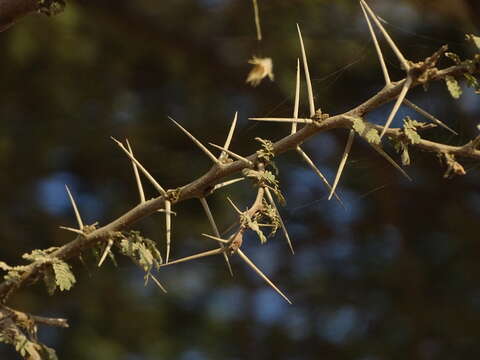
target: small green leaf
<point>365,130</point>
<point>371,135</point>
<point>267,152</point>
<point>358,125</point>
<point>64,277</point>
<point>410,130</point>
<point>453,87</point>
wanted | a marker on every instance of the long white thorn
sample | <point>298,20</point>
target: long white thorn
<point>234,206</point>
<point>428,116</point>
<point>75,209</point>
<point>231,153</point>
<point>261,274</point>
<point>230,134</point>
<point>377,47</point>
<point>390,160</point>
<point>297,98</point>
<point>257,20</point>
<point>155,280</point>
<point>317,171</point>
<point>196,256</point>
<point>168,227</point>
<point>226,183</point>
<point>311,102</point>
<point>346,152</point>
<point>76,231</point>
<point>197,142</point>
<point>285,120</point>
<point>209,214</point>
<point>137,176</point>
<point>150,178</point>
<point>387,37</point>
<point>401,96</point>
<point>216,238</point>
<point>105,253</point>
<point>285,232</point>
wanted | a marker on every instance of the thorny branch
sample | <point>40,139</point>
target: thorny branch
<point>218,173</point>
<point>16,325</point>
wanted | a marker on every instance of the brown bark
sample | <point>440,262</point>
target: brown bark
<point>12,10</point>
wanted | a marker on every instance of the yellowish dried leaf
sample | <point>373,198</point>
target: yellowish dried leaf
<point>262,67</point>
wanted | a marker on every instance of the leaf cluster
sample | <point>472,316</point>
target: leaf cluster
<point>365,130</point>
<point>140,250</point>
<point>471,64</point>
<point>57,273</point>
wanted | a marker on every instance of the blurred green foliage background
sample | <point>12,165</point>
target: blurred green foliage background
<point>394,276</point>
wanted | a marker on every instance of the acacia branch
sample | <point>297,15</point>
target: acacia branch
<point>12,10</point>
<point>217,174</point>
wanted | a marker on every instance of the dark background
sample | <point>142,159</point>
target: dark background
<point>395,276</point>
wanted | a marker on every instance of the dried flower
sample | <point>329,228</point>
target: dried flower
<point>262,67</point>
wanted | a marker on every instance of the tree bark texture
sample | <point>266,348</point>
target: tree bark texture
<point>12,10</point>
